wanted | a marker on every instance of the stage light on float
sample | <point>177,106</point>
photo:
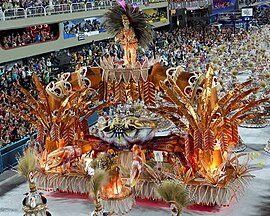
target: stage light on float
<point>217,158</point>
<point>115,196</point>
<point>61,143</point>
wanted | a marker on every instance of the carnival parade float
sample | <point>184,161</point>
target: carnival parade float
<point>162,133</point>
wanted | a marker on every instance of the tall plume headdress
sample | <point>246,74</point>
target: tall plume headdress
<point>138,21</point>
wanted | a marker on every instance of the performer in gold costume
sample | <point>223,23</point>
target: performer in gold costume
<point>129,25</point>
<point>129,42</point>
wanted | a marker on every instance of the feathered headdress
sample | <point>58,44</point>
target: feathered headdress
<point>138,21</point>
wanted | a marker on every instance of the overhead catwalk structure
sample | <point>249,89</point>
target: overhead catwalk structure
<point>158,129</point>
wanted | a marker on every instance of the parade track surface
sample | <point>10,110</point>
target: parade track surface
<point>255,202</point>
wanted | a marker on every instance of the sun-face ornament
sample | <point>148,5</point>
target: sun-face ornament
<point>123,132</point>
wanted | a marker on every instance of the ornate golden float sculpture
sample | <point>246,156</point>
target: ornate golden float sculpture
<point>127,137</point>
<point>211,128</point>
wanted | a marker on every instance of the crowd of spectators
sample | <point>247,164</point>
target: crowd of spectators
<point>184,44</point>
<point>177,47</point>
<point>174,48</point>
<point>86,26</point>
<point>221,4</point>
<point>22,72</point>
<point>248,2</point>
<point>261,15</point>
<point>12,127</point>
<point>13,4</point>
<point>13,9</point>
<point>23,38</point>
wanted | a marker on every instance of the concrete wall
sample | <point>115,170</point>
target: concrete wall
<point>60,43</point>
<point>32,50</point>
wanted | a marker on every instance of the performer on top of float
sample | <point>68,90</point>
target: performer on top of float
<point>129,25</point>
<point>129,42</point>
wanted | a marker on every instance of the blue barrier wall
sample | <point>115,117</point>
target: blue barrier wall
<point>9,154</point>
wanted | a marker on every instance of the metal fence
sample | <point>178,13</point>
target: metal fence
<point>35,11</point>
<point>18,13</point>
<point>14,14</point>
<point>57,9</point>
<point>190,4</point>
<point>250,2</point>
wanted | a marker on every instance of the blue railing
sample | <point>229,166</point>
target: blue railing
<point>92,119</point>
<point>9,154</point>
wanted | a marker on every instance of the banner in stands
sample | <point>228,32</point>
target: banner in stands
<point>82,28</point>
<point>156,15</point>
<point>222,6</point>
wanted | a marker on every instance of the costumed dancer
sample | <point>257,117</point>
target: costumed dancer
<point>34,203</point>
<point>137,164</point>
<point>129,25</point>
<point>129,42</point>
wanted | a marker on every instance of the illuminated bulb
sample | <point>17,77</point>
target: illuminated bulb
<point>117,189</point>
<point>217,157</point>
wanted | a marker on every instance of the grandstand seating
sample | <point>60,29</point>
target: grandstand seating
<point>64,13</point>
